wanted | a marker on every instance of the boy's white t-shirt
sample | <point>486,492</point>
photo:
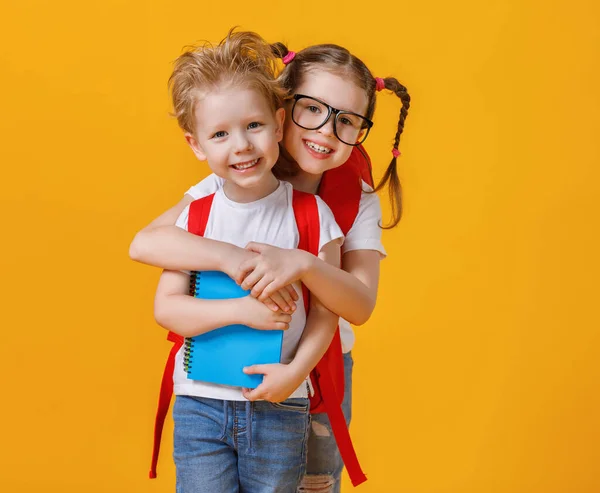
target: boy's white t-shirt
<point>365,233</point>
<point>269,220</point>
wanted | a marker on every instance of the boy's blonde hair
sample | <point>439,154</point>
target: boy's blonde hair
<point>242,59</point>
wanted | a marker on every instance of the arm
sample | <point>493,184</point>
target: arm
<point>280,381</point>
<point>163,244</point>
<point>350,292</point>
<point>176,310</point>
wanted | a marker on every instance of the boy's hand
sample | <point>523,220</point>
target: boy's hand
<point>256,314</point>
<point>281,299</point>
<point>273,269</point>
<point>279,382</point>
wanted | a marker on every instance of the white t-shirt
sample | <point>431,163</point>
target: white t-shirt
<point>365,233</point>
<point>269,220</point>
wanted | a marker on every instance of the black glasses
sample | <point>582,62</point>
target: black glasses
<point>311,114</point>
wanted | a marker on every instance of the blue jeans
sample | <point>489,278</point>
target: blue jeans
<point>324,466</point>
<point>239,446</point>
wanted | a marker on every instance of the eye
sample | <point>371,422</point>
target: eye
<point>345,121</point>
<point>254,125</point>
<point>219,135</point>
<point>313,109</point>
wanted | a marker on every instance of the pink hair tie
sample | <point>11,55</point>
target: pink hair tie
<point>379,84</point>
<point>396,152</point>
<point>289,57</point>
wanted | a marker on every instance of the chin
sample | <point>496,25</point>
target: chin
<point>317,168</point>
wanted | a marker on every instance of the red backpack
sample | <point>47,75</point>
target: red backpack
<point>341,189</point>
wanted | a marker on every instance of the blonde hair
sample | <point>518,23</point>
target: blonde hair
<point>242,59</point>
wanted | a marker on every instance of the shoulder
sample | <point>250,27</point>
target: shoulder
<point>209,185</point>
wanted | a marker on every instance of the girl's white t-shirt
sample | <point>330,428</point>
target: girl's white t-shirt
<point>365,233</point>
<point>269,220</point>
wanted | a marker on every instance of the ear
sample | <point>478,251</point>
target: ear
<point>196,148</point>
<point>279,119</point>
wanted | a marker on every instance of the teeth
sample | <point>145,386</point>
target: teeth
<point>247,165</point>
<point>318,148</point>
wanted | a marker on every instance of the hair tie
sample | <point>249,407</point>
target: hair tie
<point>396,152</point>
<point>289,57</point>
<point>379,84</point>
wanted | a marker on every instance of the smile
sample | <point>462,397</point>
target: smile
<point>318,148</point>
<point>245,165</point>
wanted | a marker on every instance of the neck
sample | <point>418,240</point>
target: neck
<point>243,195</point>
<point>306,182</point>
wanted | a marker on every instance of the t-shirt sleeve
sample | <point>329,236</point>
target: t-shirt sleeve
<point>209,185</point>
<point>330,230</point>
<point>182,222</point>
<point>365,233</point>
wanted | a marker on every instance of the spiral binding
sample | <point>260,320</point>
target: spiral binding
<point>188,348</point>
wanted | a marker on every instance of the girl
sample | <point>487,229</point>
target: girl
<point>331,102</point>
<point>228,103</point>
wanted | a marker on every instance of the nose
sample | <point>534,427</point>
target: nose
<point>327,129</point>
<point>242,143</point>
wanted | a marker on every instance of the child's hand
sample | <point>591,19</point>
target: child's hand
<point>259,316</point>
<point>279,382</point>
<point>281,299</point>
<point>235,257</point>
<point>273,269</point>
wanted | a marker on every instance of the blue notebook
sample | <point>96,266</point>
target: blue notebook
<point>220,355</point>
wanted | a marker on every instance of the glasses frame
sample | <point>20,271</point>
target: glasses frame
<point>337,113</point>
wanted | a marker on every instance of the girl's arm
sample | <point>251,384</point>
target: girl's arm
<point>176,310</point>
<point>162,244</point>
<point>350,292</point>
<point>280,381</point>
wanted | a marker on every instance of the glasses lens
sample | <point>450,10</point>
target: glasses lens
<point>349,126</point>
<point>309,113</point>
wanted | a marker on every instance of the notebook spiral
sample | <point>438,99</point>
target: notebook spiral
<point>188,347</point>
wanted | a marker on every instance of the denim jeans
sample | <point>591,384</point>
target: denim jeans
<point>324,466</point>
<point>239,446</point>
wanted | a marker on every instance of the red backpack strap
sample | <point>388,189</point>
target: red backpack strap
<point>197,220</point>
<point>306,213</point>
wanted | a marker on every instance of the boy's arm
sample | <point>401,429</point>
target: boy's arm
<point>177,311</point>
<point>351,292</point>
<point>280,381</point>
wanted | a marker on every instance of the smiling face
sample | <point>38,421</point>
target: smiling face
<point>237,133</point>
<point>317,151</point>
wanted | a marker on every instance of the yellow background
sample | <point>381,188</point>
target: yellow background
<point>478,372</point>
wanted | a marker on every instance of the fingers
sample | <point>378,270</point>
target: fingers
<point>251,279</point>
<point>282,321</point>
<point>293,293</point>
<point>253,394</point>
<point>253,246</point>
<point>255,370</point>
<point>283,300</point>
<point>288,293</point>
<point>246,268</point>
<point>261,285</point>
<point>269,303</point>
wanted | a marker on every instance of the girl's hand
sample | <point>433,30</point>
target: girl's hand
<point>279,382</point>
<point>272,270</point>
<point>259,316</point>
<point>280,299</point>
